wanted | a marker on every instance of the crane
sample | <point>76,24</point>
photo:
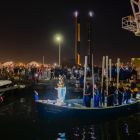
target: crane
<point>132,23</point>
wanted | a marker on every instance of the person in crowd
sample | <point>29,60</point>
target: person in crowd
<point>26,73</point>
<point>113,75</point>
<point>127,95</point>
<point>116,71</point>
<point>74,71</point>
<point>81,80</point>
<point>120,94</point>
<point>127,72</point>
<point>139,72</point>
<point>56,73</point>
<point>115,93</point>
<point>87,92</point>
<point>68,73</point>
<point>96,71</point>
<point>77,74</point>
<point>103,91</point>
<point>52,73</point>
<point>110,93</point>
<point>96,95</point>
<point>121,74</point>
<point>134,89</point>
<point>134,72</point>
<point>72,79</point>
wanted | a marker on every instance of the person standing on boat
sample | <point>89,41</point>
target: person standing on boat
<point>111,91</point>
<point>121,74</point>
<point>127,95</point>
<point>87,93</point>
<point>134,89</point>
<point>120,94</point>
<point>96,95</point>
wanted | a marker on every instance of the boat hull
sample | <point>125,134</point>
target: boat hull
<point>51,111</point>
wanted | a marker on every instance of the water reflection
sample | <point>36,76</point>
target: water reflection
<point>19,118</point>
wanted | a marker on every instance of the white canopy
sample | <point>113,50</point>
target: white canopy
<point>6,64</point>
<point>5,82</point>
<point>33,63</point>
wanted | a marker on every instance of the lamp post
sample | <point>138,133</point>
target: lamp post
<point>59,50</point>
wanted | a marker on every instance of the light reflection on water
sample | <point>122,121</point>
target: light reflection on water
<point>19,120</point>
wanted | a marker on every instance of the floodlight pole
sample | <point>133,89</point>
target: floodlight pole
<point>59,52</point>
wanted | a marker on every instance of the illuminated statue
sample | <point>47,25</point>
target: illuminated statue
<point>61,91</point>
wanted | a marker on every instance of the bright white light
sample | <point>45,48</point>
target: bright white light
<point>58,38</point>
<point>76,13</point>
<point>90,13</point>
<point>69,104</point>
<point>55,64</point>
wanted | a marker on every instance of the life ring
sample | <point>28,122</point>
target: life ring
<point>39,70</point>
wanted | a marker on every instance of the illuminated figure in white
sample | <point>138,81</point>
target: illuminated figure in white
<point>61,92</point>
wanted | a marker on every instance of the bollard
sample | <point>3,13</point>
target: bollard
<point>106,104</point>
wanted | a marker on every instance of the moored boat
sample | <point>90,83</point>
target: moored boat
<point>49,109</point>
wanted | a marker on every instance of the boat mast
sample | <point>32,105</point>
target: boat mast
<point>103,64</point>
<point>107,74</point>
<point>85,72</point>
<point>110,69</point>
<point>118,64</point>
<point>92,73</point>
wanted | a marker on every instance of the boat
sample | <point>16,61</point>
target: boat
<point>49,109</point>
<point>5,83</point>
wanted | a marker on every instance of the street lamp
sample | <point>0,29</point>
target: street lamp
<point>59,50</point>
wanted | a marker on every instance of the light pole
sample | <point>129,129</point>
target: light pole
<point>59,50</point>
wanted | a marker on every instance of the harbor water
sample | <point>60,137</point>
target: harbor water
<point>19,121</point>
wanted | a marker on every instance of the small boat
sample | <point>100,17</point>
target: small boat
<point>49,109</point>
<point>5,83</point>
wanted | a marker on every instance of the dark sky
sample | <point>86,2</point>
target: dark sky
<point>28,29</point>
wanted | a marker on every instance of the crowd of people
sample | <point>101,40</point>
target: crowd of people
<point>127,72</point>
<point>75,75</point>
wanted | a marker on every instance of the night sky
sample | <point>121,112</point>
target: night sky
<point>28,30</point>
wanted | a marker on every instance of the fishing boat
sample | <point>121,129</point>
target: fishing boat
<point>48,109</point>
<point>75,108</point>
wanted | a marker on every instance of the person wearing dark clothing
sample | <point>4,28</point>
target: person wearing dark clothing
<point>87,94</point>
<point>96,96</point>
<point>120,94</point>
<point>127,72</point>
<point>127,95</point>
<point>121,74</point>
<point>115,93</point>
<point>134,72</point>
<point>103,91</point>
<point>110,94</point>
<point>134,89</point>
<point>56,73</point>
<point>52,73</point>
<point>113,74</point>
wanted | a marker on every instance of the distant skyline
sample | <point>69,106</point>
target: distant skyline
<point>28,30</point>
